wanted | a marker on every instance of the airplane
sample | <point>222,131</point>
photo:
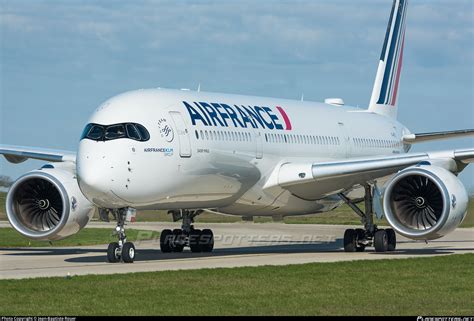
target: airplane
<point>192,151</point>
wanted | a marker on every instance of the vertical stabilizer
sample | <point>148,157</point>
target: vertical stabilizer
<point>386,86</point>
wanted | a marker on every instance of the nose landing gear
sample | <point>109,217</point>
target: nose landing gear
<point>121,250</point>
<point>356,240</point>
<point>196,240</point>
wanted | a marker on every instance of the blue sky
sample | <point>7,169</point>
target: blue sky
<point>61,59</point>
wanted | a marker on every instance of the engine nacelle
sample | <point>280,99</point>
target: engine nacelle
<point>47,204</point>
<point>425,202</point>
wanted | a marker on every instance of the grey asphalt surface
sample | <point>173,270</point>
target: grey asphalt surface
<point>236,245</point>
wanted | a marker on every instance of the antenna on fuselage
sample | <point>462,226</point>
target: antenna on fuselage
<point>302,97</point>
<point>199,88</point>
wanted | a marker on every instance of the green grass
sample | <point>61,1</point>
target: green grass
<point>87,236</point>
<point>421,286</point>
<point>342,215</point>
<point>3,197</point>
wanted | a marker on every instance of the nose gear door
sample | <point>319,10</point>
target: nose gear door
<point>182,133</point>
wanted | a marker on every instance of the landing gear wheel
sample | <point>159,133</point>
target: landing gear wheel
<point>194,241</point>
<point>207,240</point>
<point>381,241</point>
<point>360,235</point>
<point>350,240</point>
<point>178,240</point>
<point>128,252</point>
<point>392,239</point>
<point>166,238</point>
<point>113,253</point>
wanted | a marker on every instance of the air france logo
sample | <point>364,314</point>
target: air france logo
<point>213,114</point>
<point>167,151</point>
<point>166,131</point>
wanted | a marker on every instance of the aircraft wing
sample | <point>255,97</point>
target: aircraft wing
<point>19,154</point>
<point>323,178</point>
<point>425,137</point>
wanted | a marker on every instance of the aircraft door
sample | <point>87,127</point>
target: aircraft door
<point>257,137</point>
<point>345,139</point>
<point>259,142</point>
<point>182,133</point>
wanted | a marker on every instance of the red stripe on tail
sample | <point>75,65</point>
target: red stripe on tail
<point>395,90</point>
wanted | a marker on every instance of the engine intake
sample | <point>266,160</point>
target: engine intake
<point>39,204</point>
<point>47,204</point>
<point>425,202</point>
<point>417,202</point>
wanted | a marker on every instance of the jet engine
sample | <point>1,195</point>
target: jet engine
<point>425,202</point>
<point>47,204</point>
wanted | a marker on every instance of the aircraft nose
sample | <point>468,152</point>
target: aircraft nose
<point>89,177</point>
<point>94,177</point>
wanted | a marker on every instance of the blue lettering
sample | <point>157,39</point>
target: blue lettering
<point>273,117</point>
<point>259,111</point>
<point>216,114</point>
<point>233,116</point>
<point>194,114</point>
<point>212,113</point>
<point>245,118</point>
<point>223,115</point>
<point>254,116</point>
<point>203,112</point>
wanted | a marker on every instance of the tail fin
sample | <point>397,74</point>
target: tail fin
<point>385,91</point>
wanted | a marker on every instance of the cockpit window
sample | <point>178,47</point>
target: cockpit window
<point>99,132</point>
<point>96,132</point>
<point>132,132</point>
<point>114,132</point>
<point>143,132</point>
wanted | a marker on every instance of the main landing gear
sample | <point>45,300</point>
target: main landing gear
<point>121,250</point>
<point>356,240</point>
<point>197,240</point>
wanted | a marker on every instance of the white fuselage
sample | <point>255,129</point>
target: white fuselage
<point>211,156</point>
